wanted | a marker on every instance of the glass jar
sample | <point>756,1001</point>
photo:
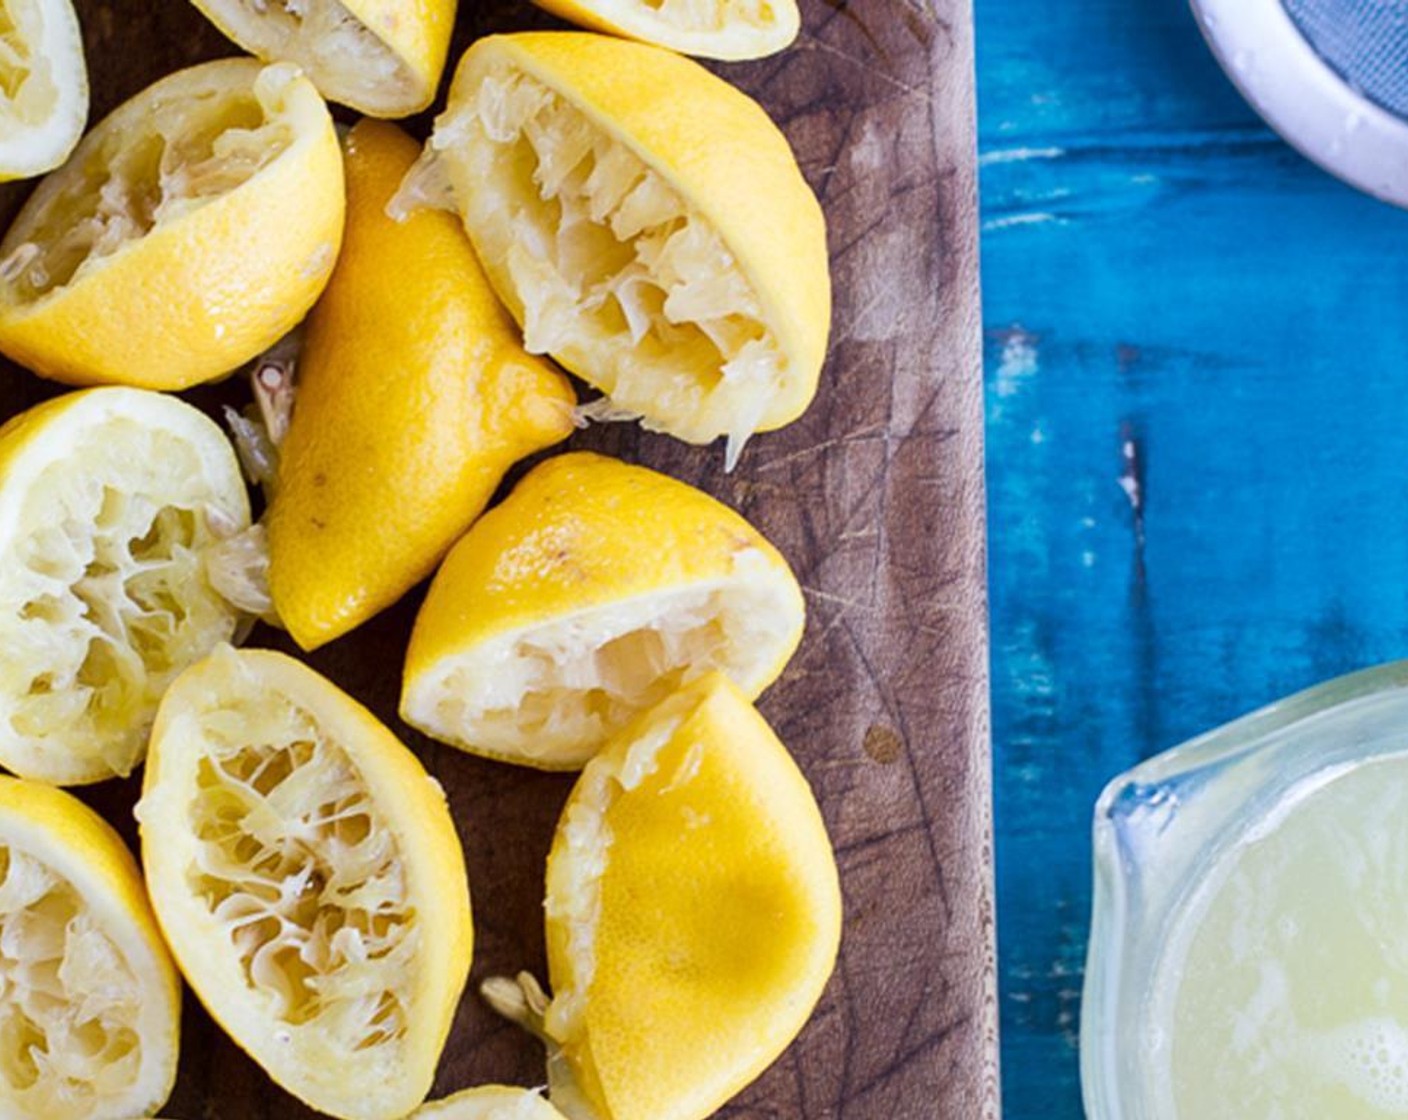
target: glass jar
<point>1174,835</point>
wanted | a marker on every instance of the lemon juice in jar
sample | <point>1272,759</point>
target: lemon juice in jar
<point>1249,952</point>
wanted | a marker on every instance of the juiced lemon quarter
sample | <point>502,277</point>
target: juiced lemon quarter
<point>91,1013</point>
<point>647,225</point>
<point>115,507</point>
<point>693,914</point>
<point>308,878</point>
<point>590,593</point>
<point>188,231</point>
<point>414,396</point>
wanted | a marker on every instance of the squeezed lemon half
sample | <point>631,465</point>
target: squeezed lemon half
<point>725,29</point>
<point>693,914</point>
<point>309,881</point>
<point>115,506</point>
<point>490,1102</point>
<point>189,231</point>
<point>43,85</point>
<point>647,225</point>
<point>590,593</point>
<point>90,1014</point>
<point>381,57</point>
<point>414,397</point>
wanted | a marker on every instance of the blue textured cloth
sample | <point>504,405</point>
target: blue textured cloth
<point>1366,41</point>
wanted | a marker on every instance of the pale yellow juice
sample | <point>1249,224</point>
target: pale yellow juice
<point>1282,992</point>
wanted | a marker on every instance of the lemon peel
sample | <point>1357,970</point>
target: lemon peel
<point>379,475</point>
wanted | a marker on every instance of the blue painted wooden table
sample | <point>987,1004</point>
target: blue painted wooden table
<point>1197,403</point>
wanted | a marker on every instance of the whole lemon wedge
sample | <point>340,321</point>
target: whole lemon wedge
<point>90,1019</point>
<point>693,914</point>
<point>115,507</point>
<point>308,878</point>
<point>647,225</point>
<point>43,86</point>
<point>489,1102</point>
<point>381,57</point>
<point>189,231</point>
<point>414,397</point>
<point>589,594</point>
<point>725,29</point>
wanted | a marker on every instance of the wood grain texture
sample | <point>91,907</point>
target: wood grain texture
<point>876,496</point>
<point>1179,309</point>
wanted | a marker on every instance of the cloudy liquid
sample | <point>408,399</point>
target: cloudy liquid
<point>1282,993</point>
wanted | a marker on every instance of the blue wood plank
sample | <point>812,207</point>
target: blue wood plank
<point>1178,307</point>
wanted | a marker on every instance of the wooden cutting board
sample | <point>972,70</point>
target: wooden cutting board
<point>876,496</point>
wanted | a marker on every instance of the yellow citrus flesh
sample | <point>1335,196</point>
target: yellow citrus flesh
<point>647,224</point>
<point>381,57</point>
<point>414,397</point>
<point>590,593</point>
<point>90,1018</point>
<point>189,231</point>
<point>308,878</point>
<point>43,85</point>
<point>693,912</point>
<point>724,29</point>
<point>489,1102</point>
<point>114,503</point>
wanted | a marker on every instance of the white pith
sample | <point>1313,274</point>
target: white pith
<point>607,266</point>
<point>134,175</point>
<point>105,598</point>
<point>27,86</point>
<point>298,881</point>
<point>341,55</point>
<point>71,1003</point>
<point>43,84</point>
<point>237,568</point>
<point>553,693</point>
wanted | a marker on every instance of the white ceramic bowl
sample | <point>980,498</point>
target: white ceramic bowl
<point>1304,99</point>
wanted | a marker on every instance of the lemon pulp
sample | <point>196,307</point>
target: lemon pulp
<point>344,58</point>
<point>68,1020</point>
<point>106,596</point>
<point>605,264</point>
<point>295,865</point>
<point>28,86</point>
<point>712,15</point>
<point>723,29</point>
<point>489,1102</point>
<point>194,148</point>
<point>43,85</point>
